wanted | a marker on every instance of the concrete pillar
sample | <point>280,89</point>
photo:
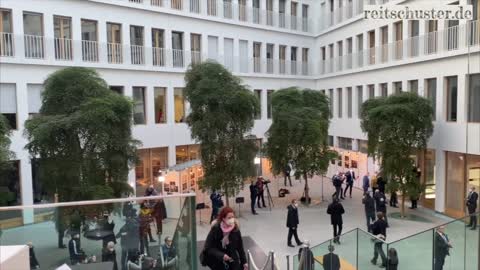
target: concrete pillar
<point>102,41</point>
<point>187,48</point>
<point>168,48</point>
<point>170,107</point>
<point>236,55</point>
<point>17,21</point>
<point>250,56</point>
<point>276,59</point>
<point>439,116</point>
<point>221,50</point>
<point>77,39</point>
<point>126,44</point>
<point>264,105</point>
<point>421,37</point>
<point>365,48</point>
<point>275,12</point>
<point>462,110</point>
<point>440,180</point>
<point>49,47</point>
<point>147,30</point>
<point>288,12</point>
<point>405,37</point>
<point>150,104</point>
<point>421,87</point>
<point>172,156</point>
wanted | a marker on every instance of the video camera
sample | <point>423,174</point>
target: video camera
<point>266,181</point>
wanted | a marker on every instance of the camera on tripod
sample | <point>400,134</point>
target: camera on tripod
<point>266,181</point>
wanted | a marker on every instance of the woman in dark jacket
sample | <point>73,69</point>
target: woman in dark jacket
<point>335,210</point>
<point>392,259</point>
<point>224,245</point>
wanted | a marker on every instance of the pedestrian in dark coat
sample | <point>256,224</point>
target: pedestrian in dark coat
<point>286,173</point>
<point>159,213</point>
<point>381,184</point>
<point>224,245</point>
<point>349,178</point>
<point>472,199</point>
<point>335,210</point>
<point>366,182</point>
<point>379,229</point>
<point>253,196</point>
<point>331,261</point>
<point>217,203</point>
<point>292,223</point>
<point>392,259</point>
<point>109,254</point>
<point>129,240</point>
<point>369,205</point>
<point>442,248</point>
<point>260,190</point>
<point>337,182</point>
<point>381,204</point>
<point>307,262</point>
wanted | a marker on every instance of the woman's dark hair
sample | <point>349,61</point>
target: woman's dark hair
<point>223,213</point>
<point>392,252</point>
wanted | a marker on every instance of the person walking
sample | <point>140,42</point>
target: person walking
<point>349,178</point>
<point>472,199</point>
<point>331,261</point>
<point>366,182</point>
<point>336,210</point>
<point>129,239</point>
<point>286,174</point>
<point>393,199</point>
<point>253,196</point>
<point>217,203</point>
<point>379,229</point>
<point>374,182</point>
<point>369,205</point>
<point>224,245</point>
<point>442,248</point>
<point>381,204</point>
<point>381,183</point>
<point>337,182</point>
<point>260,189</point>
<point>292,223</point>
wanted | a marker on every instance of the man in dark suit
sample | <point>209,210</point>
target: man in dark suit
<point>379,229</point>
<point>292,223</point>
<point>331,261</point>
<point>308,260</point>
<point>442,247</point>
<point>253,196</point>
<point>472,199</point>
<point>286,171</point>
<point>349,177</point>
<point>381,203</point>
<point>335,210</point>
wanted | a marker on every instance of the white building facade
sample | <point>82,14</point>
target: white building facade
<point>143,47</point>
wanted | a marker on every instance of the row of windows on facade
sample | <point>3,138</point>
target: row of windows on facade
<point>451,94</point>
<point>33,28</point>
<point>8,103</point>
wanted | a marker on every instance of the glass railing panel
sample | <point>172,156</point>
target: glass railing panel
<point>414,252</point>
<point>81,232</point>
<point>366,249</point>
<point>472,245</point>
<point>456,235</point>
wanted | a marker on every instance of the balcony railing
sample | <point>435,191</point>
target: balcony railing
<point>256,15</point>
<point>257,65</point>
<point>384,49</point>
<point>212,7</point>
<point>89,51</point>
<point>178,58</point>
<point>63,49</point>
<point>413,46</point>
<point>158,55</point>
<point>282,67</point>
<point>270,65</point>
<point>451,38</point>
<point>115,53</point>
<point>196,57</point>
<point>6,44</point>
<point>305,69</point>
<point>34,46</point>
<point>157,3</point>
<point>137,54</point>
<point>177,4</point>
<point>281,20</point>
<point>293,22</point>
<point>242,13</point>
<point>293,67</point>
<point>270,15</point>
<point>431,43</point>
<point>227,10</point>
<point>195,6</point>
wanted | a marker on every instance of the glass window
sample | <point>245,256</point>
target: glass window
<point>150,162</point>
<point>413,86</point>
<point>363,146</point>
<point>89,30</point>
<point>474,98</point>
<point>117,89</point>
<point>397,87</point>
<point>177,40</point>
<point>371,91</point>
<point>330,141</point>
<point>452,98</point>
<point>269,104</point>
<point>136,35</point>
<point>258,95</point>
<point>34,98</point>
<point>179,100</point>
<point>349,102</point>
<point>62,27</point>
<point>384,89</point>
<point>42,193</point>
<point>139,106</point>
<point>340,102</point>
<point>345,143</point>
<point>431,94</point>
<point>10,190</point>
<point>6,21</point>
<point>359,100</point>
<point>160,104</point>
<point>32,24</point>
<point>185,153</point>
<point>114,33</point>
<point>455,182</point>
<point>8,103</point>
<point>430,174</point>
<point>157,38</point>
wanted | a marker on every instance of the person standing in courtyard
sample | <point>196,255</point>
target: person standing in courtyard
<point>381,204</point>
<point>286,174</point>
<point>381,183</point>
<point>331,261</point>
<point>442,248</point>
<point>306,257</point>
<point>392,263</point>
<point>369,205</point>
<point>472,199</point>
<point>260,190</point>
<point>292,223</point>
<point>349,178</point>
<point>335,210</point>
<point>337,182</point>
<point>379,229</point>
<point>374,182</point>
<point>217,203</point>
<point>253,196</point>
<point>366,182</point>
<point>224,245</point>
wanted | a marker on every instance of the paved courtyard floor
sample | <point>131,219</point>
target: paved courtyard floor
<point>268,228</point>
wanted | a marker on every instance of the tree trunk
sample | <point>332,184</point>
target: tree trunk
<point>227,201</point>
<point>402,210</point>
<point>307,195</point>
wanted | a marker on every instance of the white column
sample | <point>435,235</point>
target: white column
<point>275,14</point>
<point>220,8</point>
<point>236,55</point>
<point>147,30</point>
<point>172,157</point>
<point>405,86</point>
<point>365,48</point>
<point>391,38</point>
<point>406,34</point>
<point>264,104</point>
<point>170,106</point>
<point>221,50</point>
<point>439,116</point>
<point>126,44</point>
<point>288,61</point>
<point>462,110</point>
<point>288,12</point>
<point>421,87</point>
<point>204,46</point>
<point>378,42</point>
<point>102,41</point>
<point>421,37</point>
<point>262,12</point>
<point>17,21</point>
<point>77,39</point>
<point>276,59</point>
<point>187,46</point>
<point>49,36</point>
<point>263,57</point>
<point>150,104</point>
<point>249,9</point>
<point>250,56</point>
<point>168,48</point>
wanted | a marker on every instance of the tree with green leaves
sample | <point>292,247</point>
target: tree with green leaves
<point>82,137</point>
<point>5,154</point>
<point>222,114</point>
<point>398,127</point>
<point>299,133</point>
